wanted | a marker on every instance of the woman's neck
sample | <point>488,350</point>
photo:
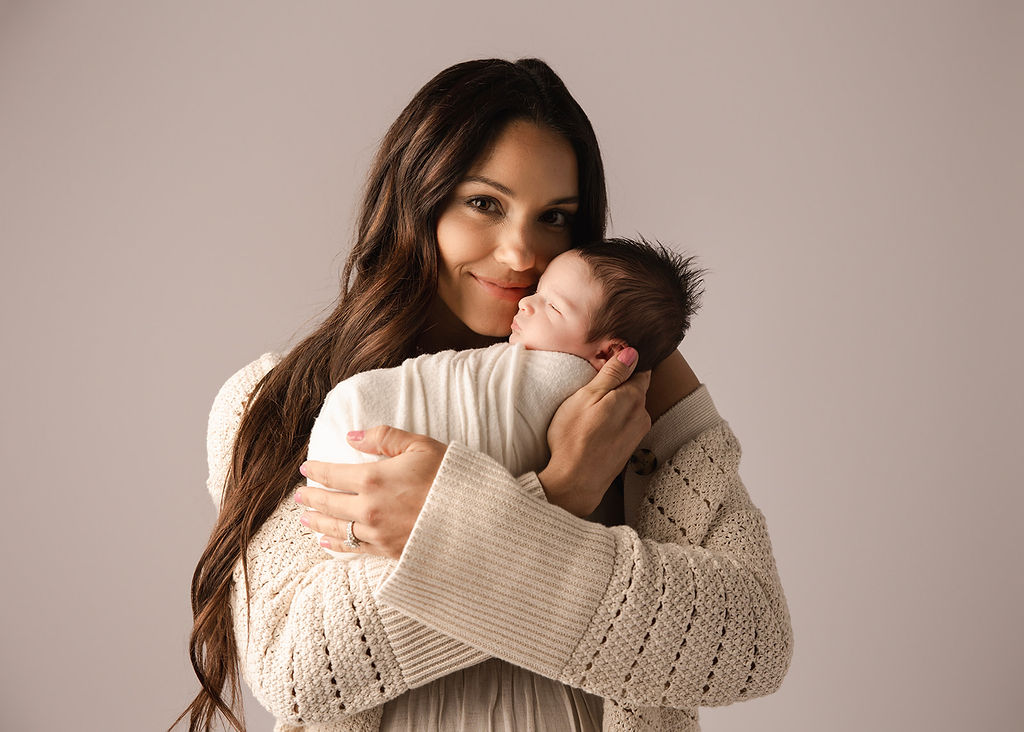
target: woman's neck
<point>443,331</point>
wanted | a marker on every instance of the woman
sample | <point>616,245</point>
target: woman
<point>507,607</point>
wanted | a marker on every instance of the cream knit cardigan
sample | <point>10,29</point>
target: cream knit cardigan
<point>680,609</point>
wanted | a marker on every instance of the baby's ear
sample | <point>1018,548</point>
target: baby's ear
<point>607,348</point>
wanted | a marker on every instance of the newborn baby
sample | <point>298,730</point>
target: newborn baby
<point>590,303</point>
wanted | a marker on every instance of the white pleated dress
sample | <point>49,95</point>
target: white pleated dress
<point>493,696</point>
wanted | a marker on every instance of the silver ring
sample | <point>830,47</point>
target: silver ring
<point>352,542</point>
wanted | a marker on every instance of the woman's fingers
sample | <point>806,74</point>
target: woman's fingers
<point>593,433</point>
<point>384,498</point>
<point>340,545</point>
<point>335,529</point>
<point>338,506</point>
<point>387,440</point>
<point>336,476</point>
<point>329,512</point>
<point>628,397</point>
<point>380,440</point>
<point>615,372</point>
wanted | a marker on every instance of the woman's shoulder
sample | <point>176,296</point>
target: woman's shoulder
<point>239,386</point>
<point>226,416</point>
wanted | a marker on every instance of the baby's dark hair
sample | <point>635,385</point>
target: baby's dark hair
<point>650,294</point>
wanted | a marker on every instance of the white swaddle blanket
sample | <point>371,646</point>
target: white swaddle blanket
<point>497,400</point>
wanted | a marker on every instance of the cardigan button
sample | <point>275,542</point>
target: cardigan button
<point>643,462</point>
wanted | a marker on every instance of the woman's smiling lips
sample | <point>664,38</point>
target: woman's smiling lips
<point>511,291</point>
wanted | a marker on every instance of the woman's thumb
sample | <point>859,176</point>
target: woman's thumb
<point>615,371</point>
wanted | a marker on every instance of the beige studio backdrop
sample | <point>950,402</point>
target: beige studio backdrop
<point>177,186</point>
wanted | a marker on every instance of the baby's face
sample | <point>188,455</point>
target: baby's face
<point>558,316</point>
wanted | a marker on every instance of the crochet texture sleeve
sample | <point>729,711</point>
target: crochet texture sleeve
<point>314,644</point>
<point>692,614</point>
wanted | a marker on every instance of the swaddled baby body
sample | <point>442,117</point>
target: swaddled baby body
<point>499,400</point>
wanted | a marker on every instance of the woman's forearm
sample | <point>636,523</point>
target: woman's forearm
<point>671,381</point>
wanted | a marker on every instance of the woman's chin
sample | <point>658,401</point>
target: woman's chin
<point>492,328</point>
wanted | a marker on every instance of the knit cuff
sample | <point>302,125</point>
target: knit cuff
<point>422,654</point>
<point>478,526</point>
<point>531,484</point>
<point>689,417</point>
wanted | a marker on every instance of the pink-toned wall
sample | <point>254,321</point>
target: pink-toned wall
<point>177,184</point>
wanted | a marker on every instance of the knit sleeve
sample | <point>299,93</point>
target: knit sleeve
<point>225,417</point>
<point>314,645</point>
<point>695,616</point>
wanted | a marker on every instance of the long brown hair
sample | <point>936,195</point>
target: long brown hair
<point>389,280</point>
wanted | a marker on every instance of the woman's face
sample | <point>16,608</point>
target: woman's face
<point>504,222</point>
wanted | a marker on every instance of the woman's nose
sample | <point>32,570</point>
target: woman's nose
<point>516,250</point>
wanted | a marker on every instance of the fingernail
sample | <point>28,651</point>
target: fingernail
<point>298,496</point>
<point>304,520</point>
<point>355,435</point>
<point>627,356</point>
<point>303,469</point>
<point>325,542</point>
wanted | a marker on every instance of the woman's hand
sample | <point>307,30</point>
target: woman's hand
<point>593,434</point>
<point>383,498</point>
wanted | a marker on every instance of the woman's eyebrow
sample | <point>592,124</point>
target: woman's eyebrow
<point>492,183</point>
<point>510,193</point>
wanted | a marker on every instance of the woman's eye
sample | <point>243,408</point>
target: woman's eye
<point>482,203</point>
<point>557,217</point>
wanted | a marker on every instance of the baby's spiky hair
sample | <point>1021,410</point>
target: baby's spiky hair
<point>650,295</point>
